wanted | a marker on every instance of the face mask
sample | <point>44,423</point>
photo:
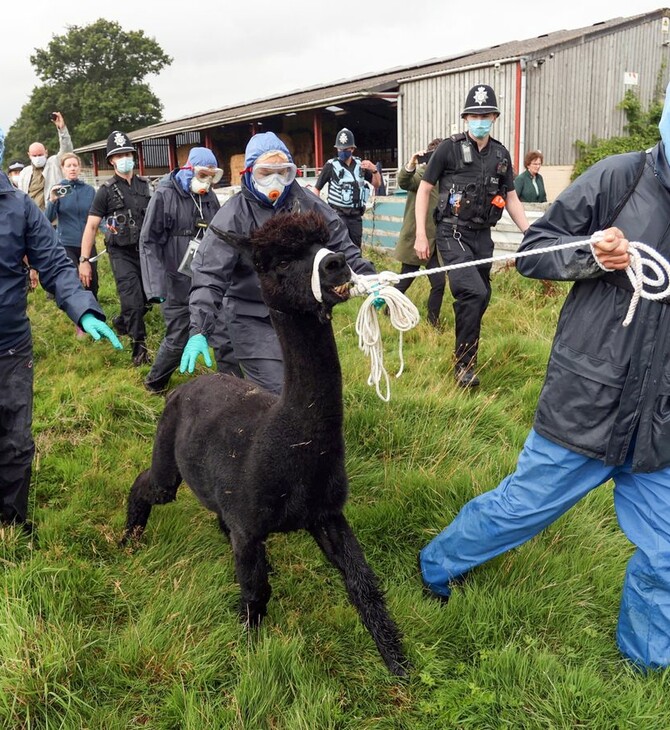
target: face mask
<point>271,188</point>
<point>479,128</point>
<point>200,187</point>
<point>14,179</point>
<point>39,160</point>
<point>125,165</point>
<point>344,155</point>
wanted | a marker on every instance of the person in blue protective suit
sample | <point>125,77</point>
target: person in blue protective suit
<point>604,410</point>
<point>223,278</point>
<point>26,233</point>
<point>175,222</point>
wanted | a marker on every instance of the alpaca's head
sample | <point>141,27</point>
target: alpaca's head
<point>283,252</point>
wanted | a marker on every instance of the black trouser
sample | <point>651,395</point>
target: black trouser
<point>470,287</point>
<point>16,440</point>
<point>125,263</point>
<point>73,254</point>
<point>354,224</point>
<point>437,285</point>
<point>177,323</point>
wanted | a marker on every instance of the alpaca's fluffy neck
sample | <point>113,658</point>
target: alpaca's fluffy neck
<point>312,374</point>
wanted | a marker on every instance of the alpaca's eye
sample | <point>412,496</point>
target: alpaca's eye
<point>283,264</point>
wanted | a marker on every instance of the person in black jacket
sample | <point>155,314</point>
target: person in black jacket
<point>223,279</point>
<point>122,202</point>
<point>177,217</point>
<point>476,182</point>
<point>604,409</point>
<point>26,233</point>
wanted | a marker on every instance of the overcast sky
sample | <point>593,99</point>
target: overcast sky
<point>230,51</point>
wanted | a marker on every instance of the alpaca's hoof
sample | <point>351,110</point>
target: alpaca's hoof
<point>399,667</point>
<point>252,614</point>
<point>132,535</point>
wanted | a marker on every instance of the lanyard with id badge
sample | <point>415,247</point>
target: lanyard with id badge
<point>193,245</point>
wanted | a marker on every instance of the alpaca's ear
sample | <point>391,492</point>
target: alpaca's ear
<point>236,240</point>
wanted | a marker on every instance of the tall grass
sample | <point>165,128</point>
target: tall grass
<point>94,636</point>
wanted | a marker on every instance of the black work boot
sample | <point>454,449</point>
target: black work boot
<point>140,353</point>
<point>466,375</point>
<point>120,325</point>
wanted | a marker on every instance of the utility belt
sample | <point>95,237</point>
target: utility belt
<point>348,212</point>
<point>470,204</point>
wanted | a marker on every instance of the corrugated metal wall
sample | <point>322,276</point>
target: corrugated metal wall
<point>432,107</point>
<point>571,96</point>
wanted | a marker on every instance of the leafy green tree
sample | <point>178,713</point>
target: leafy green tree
<point>642,132</point>
<point>94,75</point>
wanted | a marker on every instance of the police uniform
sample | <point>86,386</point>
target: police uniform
<point>473,185</point>
<point>122,205</point>
<point>347,189</point>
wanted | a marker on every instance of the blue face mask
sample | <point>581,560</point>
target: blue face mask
<point>479,128</point>
<point>344,155</point>
<point>125,165</point>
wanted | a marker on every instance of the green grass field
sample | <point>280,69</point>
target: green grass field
<point>94,636</point>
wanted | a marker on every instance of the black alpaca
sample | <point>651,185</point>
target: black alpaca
<point>265,463</point>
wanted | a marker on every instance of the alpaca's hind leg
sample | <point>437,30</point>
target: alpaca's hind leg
<point>251,569</point>
<point>340,546</point>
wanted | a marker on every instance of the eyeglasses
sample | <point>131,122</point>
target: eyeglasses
<point>205,173</point>
<point>285,173</point>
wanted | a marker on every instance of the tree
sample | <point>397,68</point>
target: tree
<point>94,75</point>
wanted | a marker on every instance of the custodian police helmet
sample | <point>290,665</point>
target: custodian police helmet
<point>344,139</point>
<point>117,143</point>
<point>481,99</point>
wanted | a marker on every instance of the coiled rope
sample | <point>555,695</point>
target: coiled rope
<point>378,289</point>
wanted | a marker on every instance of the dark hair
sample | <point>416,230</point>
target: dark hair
<point>532,155</point>
<point>433,144</point>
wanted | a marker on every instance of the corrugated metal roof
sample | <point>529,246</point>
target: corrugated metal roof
<point>378,82</point>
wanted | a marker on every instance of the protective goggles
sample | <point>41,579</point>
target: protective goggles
<point>264,173</point>
<point>205,173</point>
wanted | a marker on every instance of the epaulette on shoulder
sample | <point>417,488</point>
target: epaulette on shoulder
<point>457,137</point>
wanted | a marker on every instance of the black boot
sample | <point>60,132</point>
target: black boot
<point>466,374</point>
<point>120,325</point>
<point>140,353</point>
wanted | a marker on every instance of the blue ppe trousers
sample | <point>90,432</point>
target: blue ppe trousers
<point>549,479</point>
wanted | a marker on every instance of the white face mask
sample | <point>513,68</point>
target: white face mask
<point>38,160</point>
<point>272,187</point>
<point>200,187</point>
<point>14,179</point>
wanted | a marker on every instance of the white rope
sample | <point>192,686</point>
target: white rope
<point>404,315</point>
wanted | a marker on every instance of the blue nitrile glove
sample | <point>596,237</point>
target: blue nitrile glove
<point>97,329</point>
<point>196,345</point>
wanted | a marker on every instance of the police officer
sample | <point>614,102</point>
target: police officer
<point>476,182</point>
<point>346,176</point>
<point>122,202</point>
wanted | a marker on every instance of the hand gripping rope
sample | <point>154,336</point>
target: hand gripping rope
<point>404,315</point>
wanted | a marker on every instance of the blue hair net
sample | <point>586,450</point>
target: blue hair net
<point>258,145</point>
<point>198,156</point>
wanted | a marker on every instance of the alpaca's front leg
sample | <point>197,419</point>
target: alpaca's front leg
<point>251,569</point>
<point>340,546</point>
